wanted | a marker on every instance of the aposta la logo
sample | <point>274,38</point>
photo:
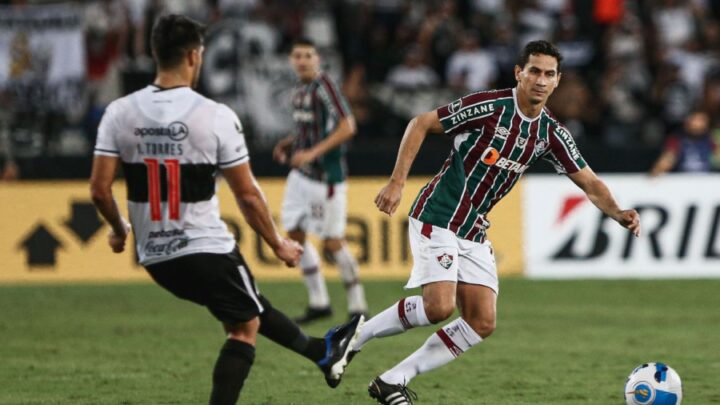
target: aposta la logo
<point>677,231</point>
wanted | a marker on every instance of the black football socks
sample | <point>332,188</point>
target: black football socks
<point>231,370</point>
<point>277,327</point>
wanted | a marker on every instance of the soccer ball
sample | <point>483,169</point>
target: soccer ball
<point>653,384</point>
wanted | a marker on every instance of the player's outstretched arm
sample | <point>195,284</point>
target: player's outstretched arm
<point>389,196</point>
<point>253,205</point>
<point>600,195</point>
<point>101,180</point>
<point>343,132</point>
<point>664,164</point>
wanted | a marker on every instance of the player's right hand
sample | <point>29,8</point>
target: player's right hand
<point>117,240</point>
<point>289,251</point>
<point>280,154</point>
<point>389,198</point>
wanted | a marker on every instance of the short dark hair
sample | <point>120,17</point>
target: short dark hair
<point>302,42</point>
<point>172,37</point>
<point>541,48</point>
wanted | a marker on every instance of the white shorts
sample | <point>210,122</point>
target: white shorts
<point>446,257</point>
<point>314,207</point>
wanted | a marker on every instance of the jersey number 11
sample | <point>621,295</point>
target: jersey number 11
<point>172,168</point>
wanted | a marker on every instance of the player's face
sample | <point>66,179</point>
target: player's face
<point>197,59</point>
<point>538,78</point>
<point>305,62</point>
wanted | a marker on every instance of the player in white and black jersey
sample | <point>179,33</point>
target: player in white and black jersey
<point>171,143</point>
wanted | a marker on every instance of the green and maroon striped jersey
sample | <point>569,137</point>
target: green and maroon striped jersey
<point>318,107</point>
<point>494,143</point>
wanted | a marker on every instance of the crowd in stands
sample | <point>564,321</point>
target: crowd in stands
<point>633,70</point>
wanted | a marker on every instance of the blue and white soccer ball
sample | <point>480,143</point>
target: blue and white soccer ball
<point>653,384</point>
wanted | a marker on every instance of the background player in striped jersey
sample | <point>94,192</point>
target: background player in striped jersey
<point>497,135</point>
<point>315,196</point>
<point>171,142</point>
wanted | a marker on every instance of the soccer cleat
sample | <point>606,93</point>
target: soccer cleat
<point>339,342</point>
<point>391,394</point>
<point>313,314</point>
<point>352,315</point>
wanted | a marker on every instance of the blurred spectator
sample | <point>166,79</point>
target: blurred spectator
<point>8,168</point>
<point>623,106</point>
<point>691,150</point>
<point>506,52</point>
<point>675,21</point>
<point>439,34</point>
<point>672,97</point>
<point>572,104</point>
<point>535,22</point>
<point>578,52</point>
<point>106,37</point>
<point>471,68</point>
<point>413,74</point>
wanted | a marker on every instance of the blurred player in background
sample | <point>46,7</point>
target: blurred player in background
<point>316,194</point>
<point>171,142</point>
<point>690,151</point>
<point>497,135</point>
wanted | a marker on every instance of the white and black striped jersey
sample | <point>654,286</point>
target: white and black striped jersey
<point>171,143</point>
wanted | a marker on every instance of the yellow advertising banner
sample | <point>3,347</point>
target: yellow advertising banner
<point>51,232</point>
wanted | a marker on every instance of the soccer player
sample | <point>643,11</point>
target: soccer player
<point>315,196</point>
<point>171,143</point>
<point>497,135</point>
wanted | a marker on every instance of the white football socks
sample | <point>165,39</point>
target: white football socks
<point>407,313</point>
<point>349,273</point>
<point>439,349</point>
<point>314,280</point>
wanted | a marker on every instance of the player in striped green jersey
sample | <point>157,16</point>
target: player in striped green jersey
<point>497,135</point>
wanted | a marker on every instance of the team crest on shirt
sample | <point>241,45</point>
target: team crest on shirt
<point>445,260</point>
<point>540,146</point>
<point>502,132</point>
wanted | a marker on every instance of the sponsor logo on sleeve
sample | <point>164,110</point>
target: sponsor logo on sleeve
<point>569,142</point>
<point>455,106</point>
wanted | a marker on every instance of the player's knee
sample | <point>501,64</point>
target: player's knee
<point>243,331</point>
<point>438,311</point>
<point>330,246</point>
<point>483,327</point>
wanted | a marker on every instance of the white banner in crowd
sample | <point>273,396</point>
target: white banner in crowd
<point>42,55</point>
<point>44,42</point>
<point>567,237</point>
<point>242,69</point>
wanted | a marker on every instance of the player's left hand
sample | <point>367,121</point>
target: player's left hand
<point>630,219</point>
<point>301,157</point>
<point>117,240</point>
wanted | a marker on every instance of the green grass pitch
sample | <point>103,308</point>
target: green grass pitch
<point>557,342</point>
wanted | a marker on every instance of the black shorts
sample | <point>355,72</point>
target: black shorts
<point>221,282</point>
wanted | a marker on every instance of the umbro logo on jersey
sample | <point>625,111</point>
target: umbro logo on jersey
<point>177,131</point>
<point>502,132</point>
<point>445,260</point>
